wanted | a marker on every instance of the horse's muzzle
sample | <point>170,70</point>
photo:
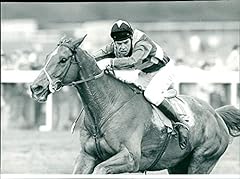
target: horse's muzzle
<point>36,89</point>
<point>39,93</point>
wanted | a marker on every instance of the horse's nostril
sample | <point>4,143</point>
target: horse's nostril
<point>36,88</point>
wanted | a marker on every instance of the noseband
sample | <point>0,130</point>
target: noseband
<point>57,85</point>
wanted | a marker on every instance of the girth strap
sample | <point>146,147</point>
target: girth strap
<point>165,144</point>
<point>98,147</point>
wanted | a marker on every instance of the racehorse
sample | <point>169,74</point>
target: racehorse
<point>119,133</point>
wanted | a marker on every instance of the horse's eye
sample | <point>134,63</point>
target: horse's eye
<point>63,60</point>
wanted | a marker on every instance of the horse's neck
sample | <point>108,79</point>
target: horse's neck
<point>103,96</point>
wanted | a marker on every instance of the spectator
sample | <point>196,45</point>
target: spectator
<point>6,61</point>
<point>232,62</point>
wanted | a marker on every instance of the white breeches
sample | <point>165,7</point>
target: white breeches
<point>154,84</point>
<point>160,82</point>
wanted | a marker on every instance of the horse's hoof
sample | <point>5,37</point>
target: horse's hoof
<point>101,170</point>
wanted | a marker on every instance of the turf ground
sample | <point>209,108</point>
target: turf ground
<point>34,152</point>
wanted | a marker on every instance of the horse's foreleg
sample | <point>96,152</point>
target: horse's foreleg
<point>84,164</point>
<point>124,161</point>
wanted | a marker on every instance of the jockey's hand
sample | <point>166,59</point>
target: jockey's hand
<point>109,68</point>
<point>103,63</point>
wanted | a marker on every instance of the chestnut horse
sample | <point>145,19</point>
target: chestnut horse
<point>118,133</point>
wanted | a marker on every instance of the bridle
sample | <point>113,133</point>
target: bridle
<point>58,84</point>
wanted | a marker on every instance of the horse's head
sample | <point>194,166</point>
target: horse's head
<point>60,69</point>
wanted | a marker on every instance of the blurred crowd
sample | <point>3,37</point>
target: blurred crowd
<point>20,60</point>
<point>213,61</point>
<point>29,59</point>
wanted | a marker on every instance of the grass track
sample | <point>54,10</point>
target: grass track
<point>34,152</point>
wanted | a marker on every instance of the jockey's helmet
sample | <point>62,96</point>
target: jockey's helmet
<point>121,30</point>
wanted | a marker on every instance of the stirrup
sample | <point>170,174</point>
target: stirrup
<point>182,124</point>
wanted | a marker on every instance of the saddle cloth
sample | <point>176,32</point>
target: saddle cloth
<point>180,107</point>
<point>160,121</point>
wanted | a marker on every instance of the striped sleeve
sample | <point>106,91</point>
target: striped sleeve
<point>105,52</point>
<point>165,58</point>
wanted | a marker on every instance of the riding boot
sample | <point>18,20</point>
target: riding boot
<point>168,110</point>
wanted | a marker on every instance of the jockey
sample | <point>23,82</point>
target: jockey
<point>133,49</point>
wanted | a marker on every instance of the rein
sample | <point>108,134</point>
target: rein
<point>74,83</point>
<point>161,152</point>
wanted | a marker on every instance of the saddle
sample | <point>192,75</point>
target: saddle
<point>180,106</point>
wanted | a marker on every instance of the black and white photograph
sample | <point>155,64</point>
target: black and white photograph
<point>123,89</point>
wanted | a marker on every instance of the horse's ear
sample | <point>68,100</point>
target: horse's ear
<point>78,42</point>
